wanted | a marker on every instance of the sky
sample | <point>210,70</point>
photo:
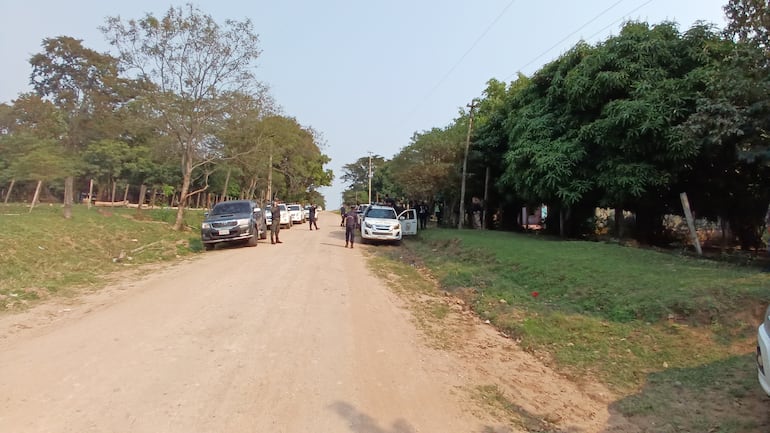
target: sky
<point>366,74</point>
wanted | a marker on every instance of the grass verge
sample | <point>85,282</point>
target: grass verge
<point>42,254</point>
<point>673,336</point>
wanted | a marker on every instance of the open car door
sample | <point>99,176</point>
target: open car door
<point>408,220</point>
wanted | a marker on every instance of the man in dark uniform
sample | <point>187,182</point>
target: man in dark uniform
<point>312,217</point>
<point>275,227</point>
<point>351,221</point>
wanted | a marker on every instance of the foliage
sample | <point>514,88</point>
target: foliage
<point>429,165</point>
<point>356,176</point>
<point>192,62</point>
<point>749,21</point>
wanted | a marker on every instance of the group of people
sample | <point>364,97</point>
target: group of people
<point>349,218</point>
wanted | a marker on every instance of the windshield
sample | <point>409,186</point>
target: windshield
<point>294,207</point>
<point>381,213</point>
<point>228,208</point>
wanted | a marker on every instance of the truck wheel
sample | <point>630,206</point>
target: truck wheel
<point>253,238</point>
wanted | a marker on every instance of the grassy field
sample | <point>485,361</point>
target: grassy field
<point>43,255</point>
<point>674,336</point>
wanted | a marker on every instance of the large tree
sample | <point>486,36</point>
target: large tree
<point>749,21</point>
<point>192,61</point>
<point>85,87</point>
<point>356,176</point>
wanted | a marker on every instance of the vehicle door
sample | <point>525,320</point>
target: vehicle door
<point>408,220</point>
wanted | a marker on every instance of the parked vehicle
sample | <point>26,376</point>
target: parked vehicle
<point>360,210</point>
<point>763,353</point>
<point>380,223</point>
<point>285,217</point>
<point>306,212</point>
<point>297,214</point>
<point>233,221</point>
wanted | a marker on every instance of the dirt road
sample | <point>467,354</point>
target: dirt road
<point>298,337</point>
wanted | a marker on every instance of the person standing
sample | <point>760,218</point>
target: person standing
<point>351,220</point>
<point>342,214</point>
<point>422,215</point>
<point>275,227</point>
<point>312,216</point>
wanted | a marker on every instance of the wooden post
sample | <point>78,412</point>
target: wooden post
<point>690,222</point>
<point>69,183</point>
<point>142,193</point>
<point>125,195</point>
<point>90,192</point>
<point>37,194</point>
<point>525,217</point>
<point>10,188</point>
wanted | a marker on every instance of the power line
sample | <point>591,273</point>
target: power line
<point>620,19</point>
<point>567,37</point>
<point>452,69</point>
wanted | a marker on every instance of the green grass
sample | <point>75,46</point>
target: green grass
<point>654,326</point>
<point>42,254</point>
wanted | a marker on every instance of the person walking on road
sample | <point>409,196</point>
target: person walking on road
<point>342,214</point>
<point>351,220</point>
<point>275,227</point>
<point>312,218</point>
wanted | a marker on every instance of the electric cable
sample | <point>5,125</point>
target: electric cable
<point>475,43</point>
<point>570,35</point>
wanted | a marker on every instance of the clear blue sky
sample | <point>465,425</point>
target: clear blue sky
<point>366,74</point>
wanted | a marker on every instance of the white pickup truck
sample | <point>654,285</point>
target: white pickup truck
<point>380,223</point>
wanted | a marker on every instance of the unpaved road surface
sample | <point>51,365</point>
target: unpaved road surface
<point>298,337</point>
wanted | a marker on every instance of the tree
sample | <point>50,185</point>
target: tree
<point>731,127</point>
<point>192,62</point>
<point>749,21</point>
<point>356,176</point>
<point>84,85</point>
<point>546,162</point>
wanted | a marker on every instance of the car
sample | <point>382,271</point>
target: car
<point>763,352</point>
<point>233,221</point>
<point>269,215</point>
<point>306,212</point>
<point>296,212</point>
<point>360,209</point>
<point>381,223</point>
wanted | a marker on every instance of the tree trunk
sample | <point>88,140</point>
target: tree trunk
<point>618,223</point>
<point>227,181</point>
<point>152,198</point>
<point>125,194</point>
<point>485,212</point>
<point>112,195</point>
<point>10,188</point>
<point>37,194</point>
<point>186,178</point>
<point>142,192</point>
<point>90,192</point>
<point>68,196</point>
<point>725,226</point>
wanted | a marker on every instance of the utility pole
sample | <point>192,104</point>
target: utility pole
<point>472,105</point>
<point>370,178</point>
